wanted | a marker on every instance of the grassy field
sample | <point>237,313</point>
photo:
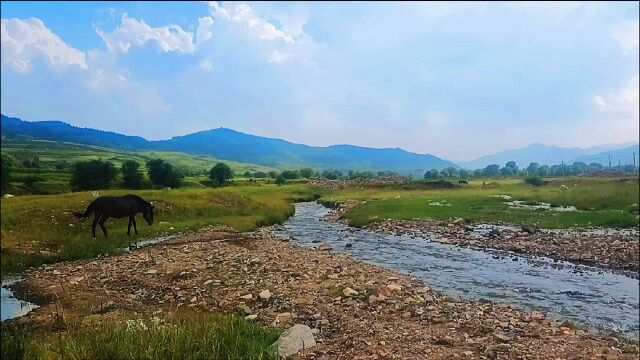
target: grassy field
<point>600,201</point>
<point>182,336</point>
<point>40,229</point>
<point>56,181</point>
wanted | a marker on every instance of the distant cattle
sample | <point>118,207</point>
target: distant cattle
<point>463,182</point>
<point>563,187</point>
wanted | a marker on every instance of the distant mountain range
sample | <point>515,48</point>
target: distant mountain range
<point>232,145</point>
<point>551,155</point>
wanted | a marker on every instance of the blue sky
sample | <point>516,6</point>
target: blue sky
<point>458,80</point>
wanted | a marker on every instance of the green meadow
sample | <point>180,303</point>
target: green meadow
<point>40,229</point>
<point>601,202</point>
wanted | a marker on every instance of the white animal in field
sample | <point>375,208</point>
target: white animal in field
<point>95,194</point>
<point>564,187</point>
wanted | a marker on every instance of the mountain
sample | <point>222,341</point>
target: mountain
<point>232,145</point>
<point>542,154</point>
<point>624,155</point>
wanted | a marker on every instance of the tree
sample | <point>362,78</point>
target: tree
<point>281,180</point>
<point>290,174</point>
<point>579,167</point>
<point>5,172</point>
<point>506,171</point>
<point>478,172</point>
<point>532,169</point>
<point>131,175</point>
<point>260,175</point>
<point>543,170</point>
<point>273,174</point>
<point>246,174</point>
<point>464,173</point>
<point>220,174</point>
<point>92,174</point>
<point>163,173</point>
<point>511,165</point>
<point>432,174</point>
<point>450,172</point>
<point>492,170</point>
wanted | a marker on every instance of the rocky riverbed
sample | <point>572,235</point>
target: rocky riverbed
<point>617,250</point>
<point>359,311</point>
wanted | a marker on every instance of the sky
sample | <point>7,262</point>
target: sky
<point>457,80</point>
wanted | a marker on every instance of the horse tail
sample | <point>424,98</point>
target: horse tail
<point>86,214</point>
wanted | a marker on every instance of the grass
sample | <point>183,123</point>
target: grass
<point>602,202</point>
<point>183,336</point>
<point>40,229</point>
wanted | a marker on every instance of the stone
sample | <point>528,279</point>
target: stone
<point>246,297</point>
<point>265,294</point>
<point>445,340</point>
<point>251,317</point>
<point>349,292</point>
<point>394,287</point>
<point>325,247</point>
<point>208,282</point>
<point>284,317</point>
<point>500,337</point>
<point>152,271</point>
<point>296,338</point>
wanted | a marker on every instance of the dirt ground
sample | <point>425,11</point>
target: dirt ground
<point>361,311</point>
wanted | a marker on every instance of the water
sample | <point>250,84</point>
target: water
<point>597,298</point>
<point>10,307</point>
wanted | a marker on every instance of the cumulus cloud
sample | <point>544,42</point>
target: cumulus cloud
<point>24,41</point>
<point>244,14</point>
<point>203,33</point>
<point>133,32</point>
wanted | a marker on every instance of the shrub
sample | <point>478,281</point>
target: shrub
<point>163,173</point>
<point>5,172</point>
<point>92,174</point>
<point>535,181</point>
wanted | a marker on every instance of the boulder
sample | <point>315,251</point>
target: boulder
<point>349,292</point>
<point>325,247</point>
<point>296,338</point>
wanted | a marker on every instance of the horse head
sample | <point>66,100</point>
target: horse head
<point>148,214</point>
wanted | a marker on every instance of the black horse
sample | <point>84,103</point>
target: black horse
<point>106,207</point>
<point>463,182</point>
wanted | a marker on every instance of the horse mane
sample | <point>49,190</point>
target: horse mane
<point>139,199</point>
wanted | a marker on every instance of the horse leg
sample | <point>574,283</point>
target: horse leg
<point>96,217</point>
<point>135,228</point>
<point>129,226</point>
<point>101,223</point>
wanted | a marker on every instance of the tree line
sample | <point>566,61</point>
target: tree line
<point>534,169</point>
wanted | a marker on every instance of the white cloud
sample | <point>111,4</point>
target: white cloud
<point>626,35</point>
<point>279,57</point>
<point>24,41</point>
<point>622,102</point>
<point>244,14</point>
<point>203,32</point>
<point>134,32</point>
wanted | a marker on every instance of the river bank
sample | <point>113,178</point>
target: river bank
<point>617,250</point>
<point>359,310</point>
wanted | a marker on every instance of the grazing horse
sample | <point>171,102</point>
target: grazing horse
<point>106,207</point>
<point>463,182</point>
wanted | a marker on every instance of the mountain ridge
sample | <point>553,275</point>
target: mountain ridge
<point>233,145</point>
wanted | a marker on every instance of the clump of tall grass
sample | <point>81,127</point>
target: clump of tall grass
<point>186,336</point>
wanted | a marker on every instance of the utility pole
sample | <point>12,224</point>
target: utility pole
<point>634,161</point>
<point>609,170</point>
<point>562,167</point>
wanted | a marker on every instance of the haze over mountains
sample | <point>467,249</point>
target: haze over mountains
<point>551,155</point>
<point>229,144</point>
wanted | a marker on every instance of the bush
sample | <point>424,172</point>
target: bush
<point>220,174</point>
<point>5,172</point>
<point>535,181</point>
<point>163,173</point>
<point>130,174</point>
<point>92,175</point>
<point>281,180</point>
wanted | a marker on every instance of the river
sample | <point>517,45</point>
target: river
<point>597,298</point>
